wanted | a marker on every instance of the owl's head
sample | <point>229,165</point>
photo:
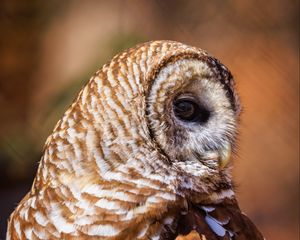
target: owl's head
<point>162,111</point>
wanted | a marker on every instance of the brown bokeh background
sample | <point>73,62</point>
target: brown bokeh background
<point>48,49</point>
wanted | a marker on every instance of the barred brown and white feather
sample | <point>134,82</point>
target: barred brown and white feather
<point>121,165</point>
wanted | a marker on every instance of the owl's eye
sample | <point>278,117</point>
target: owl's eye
<point>188,110</point>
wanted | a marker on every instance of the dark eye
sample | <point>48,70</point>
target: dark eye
<point>189,110</point>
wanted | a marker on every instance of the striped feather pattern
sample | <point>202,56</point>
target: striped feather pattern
<point>106,172</point>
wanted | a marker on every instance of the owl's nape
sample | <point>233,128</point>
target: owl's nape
<point>142,153</point>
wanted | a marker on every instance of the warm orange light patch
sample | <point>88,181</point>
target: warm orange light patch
<point>193,235</point>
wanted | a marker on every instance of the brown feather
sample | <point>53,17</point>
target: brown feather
<point>227,212</point>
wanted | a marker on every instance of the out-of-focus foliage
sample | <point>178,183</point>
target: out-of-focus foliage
<point>21,25</point>
<point>48,50</point>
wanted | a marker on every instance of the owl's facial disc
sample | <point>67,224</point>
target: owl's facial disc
<point>193,119</point>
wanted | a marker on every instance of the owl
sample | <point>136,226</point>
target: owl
<point>142,153</point>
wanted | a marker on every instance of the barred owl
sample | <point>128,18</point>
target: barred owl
<point>142,153</point>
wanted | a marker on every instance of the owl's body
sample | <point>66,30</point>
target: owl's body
<point>141,154</point>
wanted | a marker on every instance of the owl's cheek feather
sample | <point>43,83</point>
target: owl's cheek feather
<point>210,161</point>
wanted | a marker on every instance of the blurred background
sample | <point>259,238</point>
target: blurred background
<point>49,49</point>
